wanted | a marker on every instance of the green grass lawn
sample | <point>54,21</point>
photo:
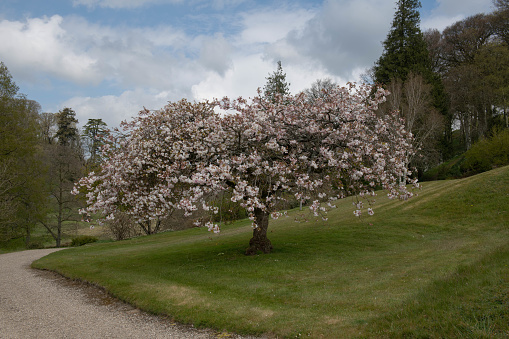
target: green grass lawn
<point>41,238</point>
<point>434,266</point>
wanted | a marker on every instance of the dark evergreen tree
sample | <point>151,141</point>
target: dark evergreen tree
<point>94,132</point>
<point>276,84</point>
<point>405,52</point>
<point>67,132</point>
<point>405,49</point>
<point>8,89</point>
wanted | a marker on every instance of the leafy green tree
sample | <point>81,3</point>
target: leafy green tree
<point>492,62</point>
<point>500,20</point>
<point>21,169</point>
<point>276,84</point>
<point>8,88</point>
<point>475,60</point>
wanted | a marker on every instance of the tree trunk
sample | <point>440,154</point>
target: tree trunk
<point>27,238</point>
<point>259,241</point>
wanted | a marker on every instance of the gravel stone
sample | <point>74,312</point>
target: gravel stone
<point>42,304</point>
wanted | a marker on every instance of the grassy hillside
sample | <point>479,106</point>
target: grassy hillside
<point>433,266</point>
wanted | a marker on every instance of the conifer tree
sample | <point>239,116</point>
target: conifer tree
<point>93,133</point>
<point>67,133</point>
<point>406,52</point>
<point>405,49</point>
<point>276,84</point>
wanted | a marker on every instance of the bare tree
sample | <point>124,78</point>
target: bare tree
<point>47,127</point>
<point>66,167</point>
<point>320,89</point>
<point>413,100</point>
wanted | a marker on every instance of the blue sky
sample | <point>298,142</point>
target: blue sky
<point>110,58</point>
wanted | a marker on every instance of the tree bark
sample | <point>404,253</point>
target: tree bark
<point>259,241</point>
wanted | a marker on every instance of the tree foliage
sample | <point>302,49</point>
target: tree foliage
<point>67,133</point>
<point>276,84</point>
<point>21,170</point>
<point>413,101</point>
<point>406,57</point>
<point>472,57</point>
<point>260,152</point>
<point>95,132</point>
<point>405,49</point>
<point>319,89</point>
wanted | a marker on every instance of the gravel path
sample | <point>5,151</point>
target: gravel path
<point>39,304</point>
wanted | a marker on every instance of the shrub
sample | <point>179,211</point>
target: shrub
<point>487,153</point>
<point>448,170</point>
<point>35,245</point>
<point>123,227</point>
<point>82,240</point>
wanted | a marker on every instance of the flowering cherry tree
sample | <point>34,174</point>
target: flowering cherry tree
<point>263,151</point>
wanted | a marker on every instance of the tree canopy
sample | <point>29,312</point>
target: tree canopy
<point>20,164</point>
<point>405,49</point>
<point>263,152</point>
<point>276,84</point>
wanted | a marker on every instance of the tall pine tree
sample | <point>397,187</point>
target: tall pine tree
<point>405,49</point>
<point>406,52</point>
<point>67,132</point>
<point>276,84</point>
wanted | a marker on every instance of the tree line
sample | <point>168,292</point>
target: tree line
<point>452,87</point>
<point>41,156</point>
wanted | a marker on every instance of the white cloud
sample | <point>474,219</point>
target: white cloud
<point>153,57</point>
<point>270,25</point>
<point>250,72</point>
<point>217,4</point>
<point>121,3</point>
<point>82,53</point>
<point>338,38</point>
<point>41,45</point>
<point>247,74</point>
<point>114,109</point>
<point>215,54</point>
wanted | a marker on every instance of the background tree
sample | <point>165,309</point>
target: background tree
<point>412,99</point>
<point>65,163</point>
<point>94,134</point>
<point>406,55</point>
<point>474,72</point>
<point>276,84</point>
<point>405,49</point>
<point>47,128</point>
<point>261,153</point>
<point>65,167</point>
<point>20,168</point>
<point>319,89</point>
<point>501,20</point>
<point>67,132</point>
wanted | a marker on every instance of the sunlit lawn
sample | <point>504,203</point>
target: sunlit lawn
<point>413,269</point>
